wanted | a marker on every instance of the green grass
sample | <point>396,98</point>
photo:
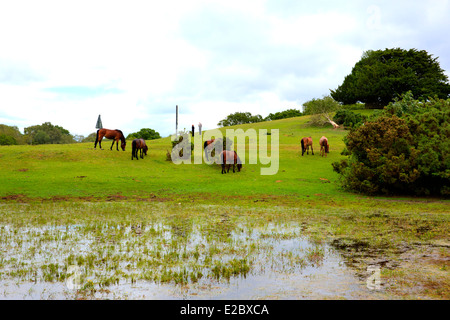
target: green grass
<point>77,170</point>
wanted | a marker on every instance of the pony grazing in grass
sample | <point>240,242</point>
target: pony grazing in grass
<point>229,158</point>
<point>115,135</point>
<point>306,143</point>
<point>138,145</point>
<point>324,146</point>
<point>207,146</point>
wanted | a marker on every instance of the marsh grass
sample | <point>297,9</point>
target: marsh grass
<point>117,243</point>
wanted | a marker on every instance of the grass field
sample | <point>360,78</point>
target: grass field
<point>153,221</point>
<point>80,171</point>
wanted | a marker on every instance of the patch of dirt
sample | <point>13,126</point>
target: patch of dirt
<point>411,271</point>
<point>16,197</point>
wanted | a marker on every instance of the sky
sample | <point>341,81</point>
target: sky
<point>132,62</point>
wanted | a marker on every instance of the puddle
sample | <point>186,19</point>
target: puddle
<point>164,261</point>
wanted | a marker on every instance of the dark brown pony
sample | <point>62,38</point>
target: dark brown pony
<point>324,146</point>
<point>229,158</point>
<point>138,145</point>
<point>115,135</point>
<point>208,145</point>
<point>306,143</point>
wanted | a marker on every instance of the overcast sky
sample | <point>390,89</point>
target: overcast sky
<point>132,62</point>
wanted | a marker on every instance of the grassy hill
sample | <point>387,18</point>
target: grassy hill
<point>77,170</point>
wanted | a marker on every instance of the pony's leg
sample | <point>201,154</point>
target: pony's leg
<point>223,168</point>
<point>233,168</point>
<point>312,150</point>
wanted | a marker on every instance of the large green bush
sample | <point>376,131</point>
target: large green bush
<point>10,135</point>
<point>406,150</point>
<point>290,113</point>
<point>348,118</point>
<point>48,133</point>
<point>144,133</point>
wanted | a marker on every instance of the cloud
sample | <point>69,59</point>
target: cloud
<point>133,62</point>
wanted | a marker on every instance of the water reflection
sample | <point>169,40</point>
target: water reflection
<point>176,259</point>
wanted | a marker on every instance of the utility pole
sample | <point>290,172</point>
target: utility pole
<point>176,123</point>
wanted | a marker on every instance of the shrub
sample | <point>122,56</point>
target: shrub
<point>290,113</point>
<point>348,118</point>
<point>400,155</point>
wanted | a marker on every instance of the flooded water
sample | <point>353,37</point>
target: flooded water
<point>244,262</point>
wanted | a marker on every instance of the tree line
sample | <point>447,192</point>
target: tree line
<point>48,133</point>
<point>246,117</point>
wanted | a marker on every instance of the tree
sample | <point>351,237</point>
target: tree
<point>10,135</point>
<point>321,110</point>
<point>290,113</point>
<point>239,118</point>
<point>90,138</point>
<point>47,133</point>
<point>7,140</point>
<point>144,133</point>
<point>348,118</point>
<point>382,75</point>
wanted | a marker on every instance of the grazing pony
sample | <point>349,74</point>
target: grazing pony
<point>138,145</point>
<point>207,146</point>
<point>306,143</point>
<point>324,146</point>
<point>229,158</point>
<point>115,135</point>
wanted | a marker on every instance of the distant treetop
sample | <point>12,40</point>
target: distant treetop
<point>383,75</point>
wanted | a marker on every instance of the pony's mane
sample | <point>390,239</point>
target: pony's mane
<point>122,137</point>
<point>238,160</point>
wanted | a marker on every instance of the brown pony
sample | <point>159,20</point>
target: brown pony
<point>233,159</point>
<point>208,144</point>
<point>324,146</point>
<point>115,135</point>
<point>306,143</point>
<point>136,145</point>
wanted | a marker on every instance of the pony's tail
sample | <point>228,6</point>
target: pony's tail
<point>133,150</point>
<point>303,145</point>
<point>96,139</point>
<point>206,152</point>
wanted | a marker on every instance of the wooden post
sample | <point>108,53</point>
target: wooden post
<point>176,123</point>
